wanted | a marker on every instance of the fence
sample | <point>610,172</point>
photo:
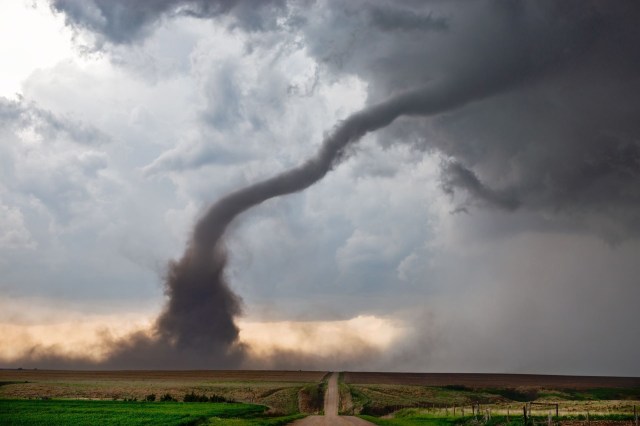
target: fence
<point>536,413</point>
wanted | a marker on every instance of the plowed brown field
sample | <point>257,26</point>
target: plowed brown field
<point>186,375</point>
<point>491,380</point>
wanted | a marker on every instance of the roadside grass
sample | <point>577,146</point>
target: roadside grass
<point>415,417</point>
<point>412,416</point>
<point>311,398</point>
<point>346,401</point>
<point>78,412</point>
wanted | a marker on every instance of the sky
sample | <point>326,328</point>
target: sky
<point>485,221</point>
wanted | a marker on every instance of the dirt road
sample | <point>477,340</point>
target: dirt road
<point>331,404</point>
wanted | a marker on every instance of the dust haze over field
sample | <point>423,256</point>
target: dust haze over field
<point>529,111</point>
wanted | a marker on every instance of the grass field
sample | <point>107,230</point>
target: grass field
<point>280,391</point>
<point>451,398</point>
<point>78,412</point>
<point>383,399</point>
<point>416,417</point>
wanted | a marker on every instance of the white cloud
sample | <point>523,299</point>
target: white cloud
<point>33,39</point>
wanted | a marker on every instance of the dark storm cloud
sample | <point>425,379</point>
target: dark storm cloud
<point>389,19</point>
<point>566,71</point>
<point>561,137</point>
<point>124,21</point>
<point>458,176</point>
<point>534,103</point>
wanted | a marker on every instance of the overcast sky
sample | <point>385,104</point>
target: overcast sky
<point>497,234</point>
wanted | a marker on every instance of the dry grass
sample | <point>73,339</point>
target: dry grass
<point>275,389</point>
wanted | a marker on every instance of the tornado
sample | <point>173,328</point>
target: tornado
<point>197,323</point>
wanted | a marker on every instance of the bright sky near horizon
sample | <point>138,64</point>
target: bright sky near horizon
<point>498,236</point>
<point>32,38</point>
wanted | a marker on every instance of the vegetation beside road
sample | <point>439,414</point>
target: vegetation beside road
<point>311,398</point>
<point>78,412</point>
<point>421,417</point>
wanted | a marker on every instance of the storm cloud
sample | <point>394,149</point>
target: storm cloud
<point>530,110</point>
<point>564,127</point>
<point>123,22</point>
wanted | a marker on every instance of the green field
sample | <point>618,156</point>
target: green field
<point>283,392</point>
<point>78,412</point>
<point>416,417</point>
<point>241,398</point>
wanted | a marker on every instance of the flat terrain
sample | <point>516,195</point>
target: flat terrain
<point>163,375</point>
<point>416,398</point>
<point>492,380</point>
<point>279,397</point>
<point>281,391</point>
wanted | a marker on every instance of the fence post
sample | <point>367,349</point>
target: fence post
<point>549,418</point>
<point>557,415</point>
<point>524,410</point>
<point>635,414</point>
<point>507,414</point>
<point>588,421</point>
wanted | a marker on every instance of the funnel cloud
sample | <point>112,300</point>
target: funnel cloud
<point>197,325</point>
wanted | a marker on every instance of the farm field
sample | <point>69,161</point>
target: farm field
<point>283,392</point>
<point>415,417</point>
<point>476,380</point>
<point>82,412</point>
<point>279,397</point>
<point>411,398</point>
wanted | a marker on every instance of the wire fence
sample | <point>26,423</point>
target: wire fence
<point>539,413</point>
